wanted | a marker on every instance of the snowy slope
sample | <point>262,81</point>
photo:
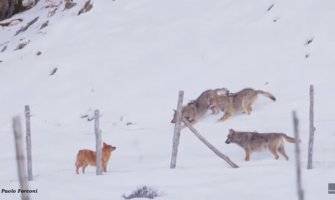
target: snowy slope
<point>129,58</point>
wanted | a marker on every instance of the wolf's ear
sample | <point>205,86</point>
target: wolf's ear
<point>222,92</point>
<point>104,144</point>
<point>231,131</point>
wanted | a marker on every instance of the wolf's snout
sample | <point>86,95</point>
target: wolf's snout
<point>227,141</point>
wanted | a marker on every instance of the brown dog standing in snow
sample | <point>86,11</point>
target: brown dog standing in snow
<point>87,157</point>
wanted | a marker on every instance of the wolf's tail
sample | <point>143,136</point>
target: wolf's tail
<point>267,94</point>
<point>288,138</point>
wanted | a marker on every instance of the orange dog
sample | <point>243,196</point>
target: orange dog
<point>87,157</point>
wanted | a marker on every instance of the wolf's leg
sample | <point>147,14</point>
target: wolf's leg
<point>191,122</point>
<point>247,154</point>
<point>226,116</point>
<point>273,150</point>
<point>281,150</point>
<point>77,169</point>
<point>244,106</point>
<point>248,108</point>
<point>215,110</point>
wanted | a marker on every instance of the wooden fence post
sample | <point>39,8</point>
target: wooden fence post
<point>97,132</point>
<point>210,146</point>
<point>177,128</point>
<point>297,156</point>
<point>21,165</point>
<point>28,143</point>
<point>311,128</point>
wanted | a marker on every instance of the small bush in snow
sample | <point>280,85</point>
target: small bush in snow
<point>142,192</point>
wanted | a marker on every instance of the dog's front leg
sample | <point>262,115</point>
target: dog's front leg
<point>104,167</point>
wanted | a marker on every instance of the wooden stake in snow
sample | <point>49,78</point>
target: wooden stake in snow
<point>210,146</point>
<point>21,165</point>
<point>297,156</point>
<point>97,132</point>
<point>311,128</point>
<point>177,128</point>
<point>28,142</point>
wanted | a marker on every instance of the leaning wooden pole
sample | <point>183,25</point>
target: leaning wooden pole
<point>311,128</point>
<point>98,142</point>
<point>20,158</point>
<point>297,156</point>
<point>177,129</point>
<point>28,142</point>
<point>210,146</point>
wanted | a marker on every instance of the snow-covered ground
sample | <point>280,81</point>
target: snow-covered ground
<point>129,58</point>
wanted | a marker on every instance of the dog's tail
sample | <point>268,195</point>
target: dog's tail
<point>267,94</point>
<point>77,159</point>
<point>288,138</point>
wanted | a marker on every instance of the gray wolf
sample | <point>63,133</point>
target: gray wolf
<point>239,102</point>
<point>87,157</point>
<point>253,142</point>
<point>197,108</point>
